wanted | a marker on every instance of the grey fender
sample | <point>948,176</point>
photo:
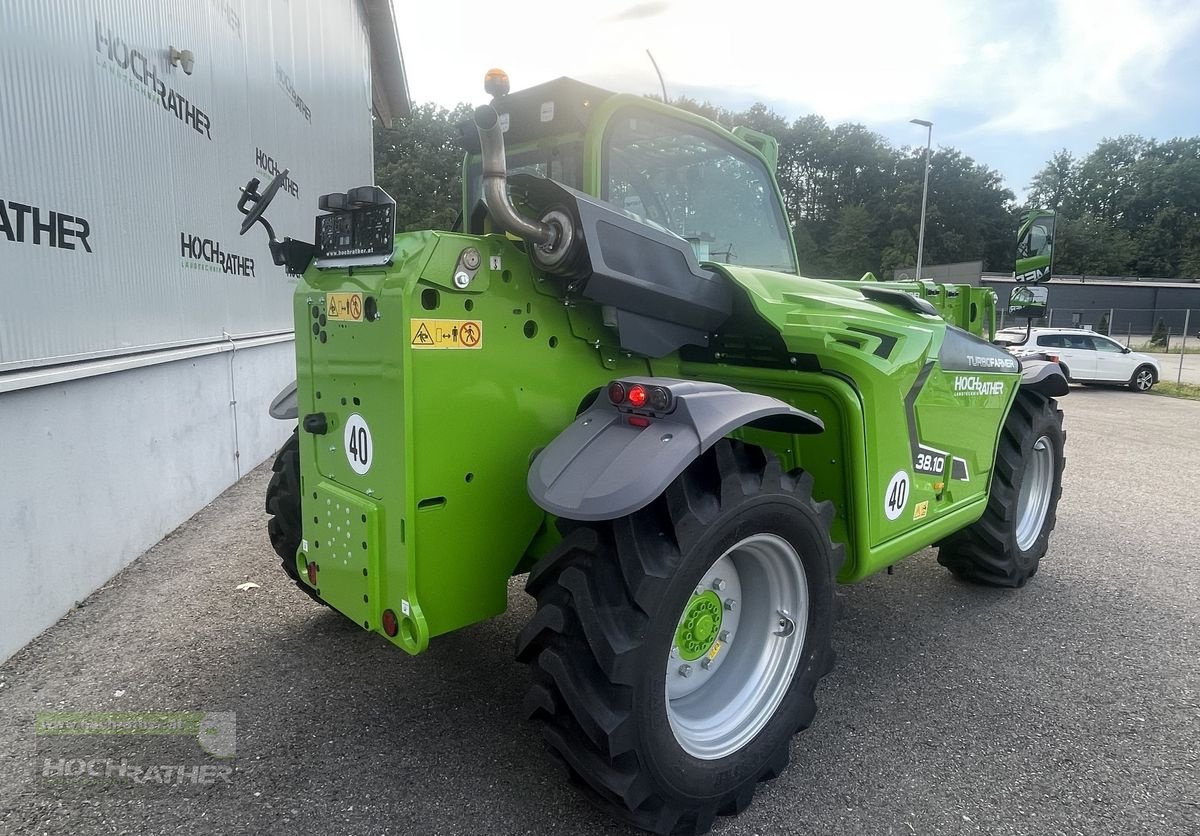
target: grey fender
<point>602,467</point>
<point>1044,377</point>
<point>286,404</point>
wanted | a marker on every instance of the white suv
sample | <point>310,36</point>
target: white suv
<point>1085,356</point>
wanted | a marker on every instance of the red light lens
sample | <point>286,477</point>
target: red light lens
<point>312,574</point>
<point>389,623</point>
<point>637,395</point>
<point>639,421</point>
<point>616,392</point>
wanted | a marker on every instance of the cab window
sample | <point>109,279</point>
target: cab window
<point>717,196</point>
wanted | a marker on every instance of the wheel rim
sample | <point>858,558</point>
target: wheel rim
<point>1036,487</point>
<point>729,668</point>
<point>1144,380</point>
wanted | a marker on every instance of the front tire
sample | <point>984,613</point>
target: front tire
<point>1006,545</point>
<point>1143,379</point>
<point>665,703</point>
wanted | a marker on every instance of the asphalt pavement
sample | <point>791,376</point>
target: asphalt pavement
<point>1171,369</point>
<point>1071,706</point>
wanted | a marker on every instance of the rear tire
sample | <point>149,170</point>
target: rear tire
<point>622,605</point>
<point>283,503</point>
<point>1006,545</point>
<point>1143,379</point>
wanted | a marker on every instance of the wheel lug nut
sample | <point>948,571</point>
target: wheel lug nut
<point>724,637</point>
<point>718,584</point>
<point>730,604</point>
<point>685,670</point>
<point>706,663</point>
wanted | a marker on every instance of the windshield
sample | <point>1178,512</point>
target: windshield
<point>717,196</point>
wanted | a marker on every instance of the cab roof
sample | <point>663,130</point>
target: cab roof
<point>561,106</point>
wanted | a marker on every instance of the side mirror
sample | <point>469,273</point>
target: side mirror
<point>1028,301</point>
<point>1126,350</point>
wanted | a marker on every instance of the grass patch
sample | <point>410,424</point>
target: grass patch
<point>1177,390</point>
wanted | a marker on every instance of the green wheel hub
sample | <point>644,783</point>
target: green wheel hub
<point>699,626</point>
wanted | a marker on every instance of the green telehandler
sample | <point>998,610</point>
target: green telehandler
<point>610,376</point>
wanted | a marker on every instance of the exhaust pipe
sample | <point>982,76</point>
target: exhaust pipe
<point>495,186</point>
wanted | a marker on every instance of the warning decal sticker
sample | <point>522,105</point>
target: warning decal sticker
<point>447,333</point>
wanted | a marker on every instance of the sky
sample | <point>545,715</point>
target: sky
<point>1008,82</point>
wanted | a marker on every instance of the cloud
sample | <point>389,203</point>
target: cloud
<point>1099,59</point>
<point>641,11</point>
<point>1012,68</point>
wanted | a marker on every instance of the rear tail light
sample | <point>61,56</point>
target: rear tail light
<point>639,421</point>
<point>660,399</point>
<point>637,395</point>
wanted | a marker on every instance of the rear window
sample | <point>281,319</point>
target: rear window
<point>1051,340</point>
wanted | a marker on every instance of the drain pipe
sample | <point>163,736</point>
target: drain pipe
<point>237,447</point>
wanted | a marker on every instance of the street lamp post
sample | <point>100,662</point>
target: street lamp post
<point>924,192</point>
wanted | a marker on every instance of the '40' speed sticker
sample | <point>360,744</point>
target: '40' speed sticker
<point>897,495</point>
<point>358,445</point>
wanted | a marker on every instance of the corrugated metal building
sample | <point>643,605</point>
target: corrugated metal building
<point>141,339</point>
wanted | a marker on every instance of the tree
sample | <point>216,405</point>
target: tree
<point>901,251</point>
<point>850,250</point>
<point>808,254</point>
<point>1160,335</point>
<point>1054,187</point>
<point>1088,246</point>
<point>419,162</point>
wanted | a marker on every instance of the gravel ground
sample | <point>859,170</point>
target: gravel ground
<point>1069,707</point>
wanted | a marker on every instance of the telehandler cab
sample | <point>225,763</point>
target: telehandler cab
<point>612,378</point>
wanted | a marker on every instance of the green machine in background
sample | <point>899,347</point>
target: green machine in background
<point>1035,246</point>
<point>610,376</point>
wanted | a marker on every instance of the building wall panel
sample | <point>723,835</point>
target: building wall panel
<point>97,127</point>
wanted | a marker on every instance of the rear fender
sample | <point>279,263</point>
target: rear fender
<point>602,467</point>
<point>1044,377</point>
<point>286,405</point>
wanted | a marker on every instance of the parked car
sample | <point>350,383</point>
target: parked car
<point>1085,356</point>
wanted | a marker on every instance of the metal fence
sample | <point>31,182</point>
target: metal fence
<point>1167,328</point>
<point>1169,331</point>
